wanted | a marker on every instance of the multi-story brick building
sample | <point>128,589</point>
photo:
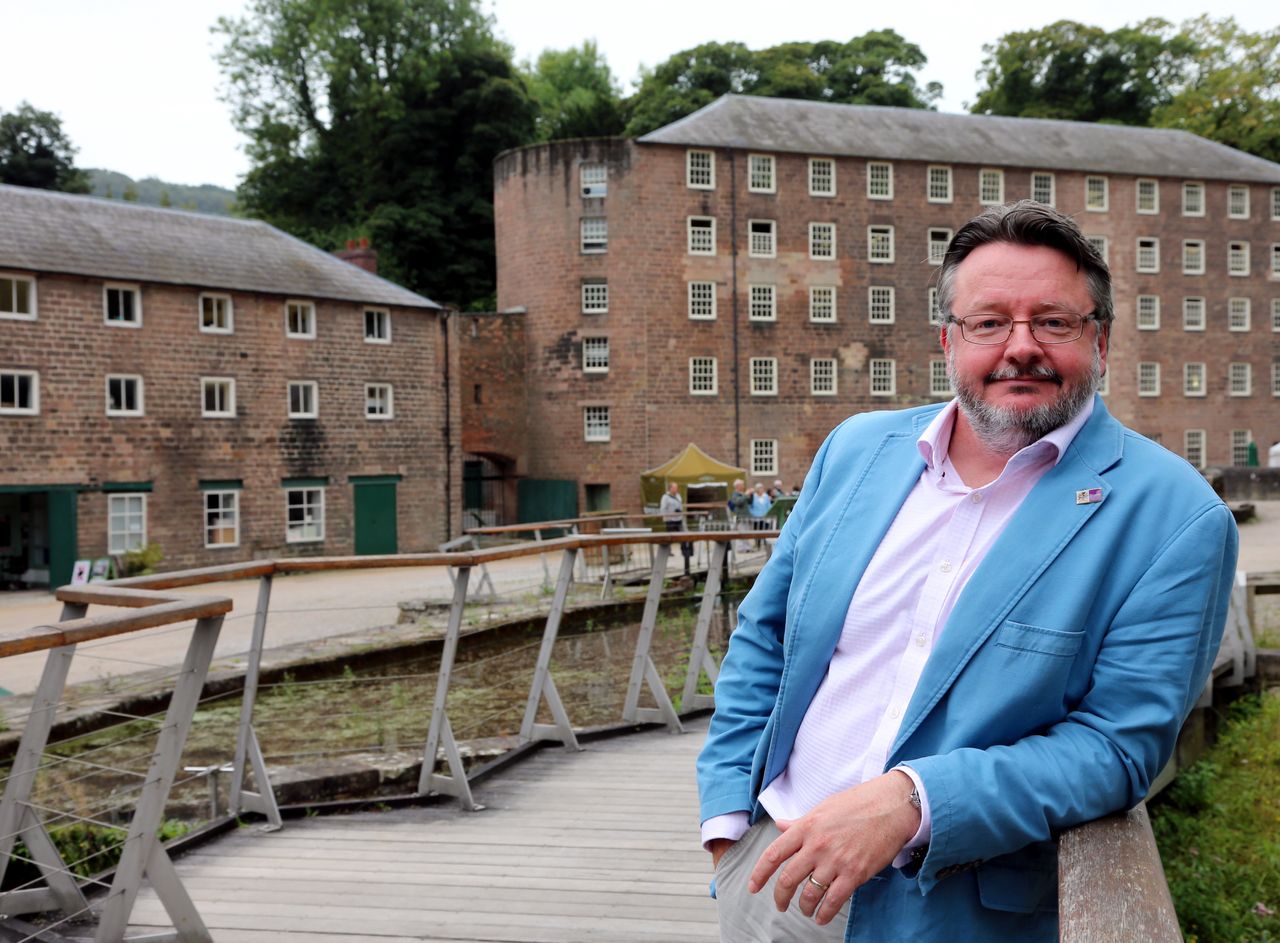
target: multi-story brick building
<point>212,385</point>
<point>750,275</point>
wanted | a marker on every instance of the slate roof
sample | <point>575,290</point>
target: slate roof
<point>44,231</point>
<point>807,127</point>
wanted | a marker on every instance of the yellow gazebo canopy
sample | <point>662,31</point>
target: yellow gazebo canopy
<point>691,467</point>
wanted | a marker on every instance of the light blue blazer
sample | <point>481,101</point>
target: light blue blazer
<point>1054,694</point>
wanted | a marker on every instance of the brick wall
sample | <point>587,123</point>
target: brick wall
<point>493,390</point>
<point>172,448</point>
<point>538,214</point>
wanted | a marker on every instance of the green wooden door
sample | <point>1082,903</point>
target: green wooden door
<point>375,503</point>
<point>63,536</point>
<point>546,500</point>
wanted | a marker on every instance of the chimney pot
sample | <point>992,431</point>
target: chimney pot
<point>351,243</point>
<point>364,242</point>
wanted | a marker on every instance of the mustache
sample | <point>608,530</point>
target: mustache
<point>1035,372</point>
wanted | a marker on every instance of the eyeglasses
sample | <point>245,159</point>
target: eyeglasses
<point>1052,328</point>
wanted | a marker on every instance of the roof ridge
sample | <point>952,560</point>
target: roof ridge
<point>129,205</point>
<point>76,234</point>
<point>890,132</point>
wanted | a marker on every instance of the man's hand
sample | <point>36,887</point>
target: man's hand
<point>843,842</point>
<point>717,847</point>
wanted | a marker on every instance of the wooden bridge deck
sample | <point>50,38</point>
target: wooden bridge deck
<point>599,845</point>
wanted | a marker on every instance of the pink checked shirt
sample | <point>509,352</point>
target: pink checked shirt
<point>941,534</point>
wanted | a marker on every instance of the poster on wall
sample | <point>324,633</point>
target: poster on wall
<point>80,572</point>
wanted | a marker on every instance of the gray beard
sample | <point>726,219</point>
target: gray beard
<point>1004,430</point>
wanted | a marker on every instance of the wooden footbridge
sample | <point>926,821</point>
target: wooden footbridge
<point>580,840</point>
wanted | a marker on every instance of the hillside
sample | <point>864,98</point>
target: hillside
<point>155,192</point>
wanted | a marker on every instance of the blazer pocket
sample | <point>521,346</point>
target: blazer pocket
<point>1023,637</point>
<point>1017,890</point>
<point>1023,882</point>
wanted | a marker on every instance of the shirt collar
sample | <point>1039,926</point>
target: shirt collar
<point>936,438</point>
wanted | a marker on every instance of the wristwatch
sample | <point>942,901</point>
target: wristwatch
<point>914,798</point>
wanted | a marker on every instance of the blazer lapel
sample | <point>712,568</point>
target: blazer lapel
<point>1045,523</point>
<point>861,514</point>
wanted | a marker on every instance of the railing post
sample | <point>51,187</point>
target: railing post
<point>1245,661</point>
<point>247,747</point>
<point>17,819</point>
<point>543,684</point>
<point>440,732</point>
<point>642,666</point>
<point>699,652</point>
<point>143,854</point>
<point>546,573</point>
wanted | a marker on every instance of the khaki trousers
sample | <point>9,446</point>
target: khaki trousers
<point>753,918</point>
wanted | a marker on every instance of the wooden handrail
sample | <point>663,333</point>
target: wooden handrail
<point>154,608</point>
<point>257,568</point>
<point>151,609</point>
<point>1111,885</point>
<point>493,529</point>
<point>1263,582</point>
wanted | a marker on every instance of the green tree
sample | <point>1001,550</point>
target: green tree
<point>34,152</point>
<point>1232,91</point>
<point>687,81</point>
<point>576,94</point>
<point>1075,72</point>
<point>381,119</point>
<point>877,68</point>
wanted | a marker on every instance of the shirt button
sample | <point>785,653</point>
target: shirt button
<point>945,566</point>
<point>975,498</point>
<point>920,640</point>
<point>895,713</point>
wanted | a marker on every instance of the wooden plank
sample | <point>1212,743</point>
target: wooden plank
<point>562,854</point>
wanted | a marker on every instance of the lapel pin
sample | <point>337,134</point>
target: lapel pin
<point>1089,496</point>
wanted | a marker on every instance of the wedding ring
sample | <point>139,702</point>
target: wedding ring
<point>818,884</point>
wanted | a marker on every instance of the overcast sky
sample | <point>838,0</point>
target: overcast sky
<point>136,87</point>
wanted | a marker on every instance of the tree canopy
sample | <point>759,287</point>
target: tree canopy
<point>1232,88</point>
<point>1207,76</point>
<point>576,94</point>
<point>1082,73</point>
<point>877,68</point>
<point>34,152</point>
<point>379,119</point>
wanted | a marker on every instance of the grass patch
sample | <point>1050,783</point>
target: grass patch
<point>1218,828</point>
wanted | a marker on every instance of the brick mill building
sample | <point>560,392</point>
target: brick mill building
<point>211,385</point>
<point>750,275</point>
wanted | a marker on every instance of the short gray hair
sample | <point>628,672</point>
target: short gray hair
<point>1027,223</point>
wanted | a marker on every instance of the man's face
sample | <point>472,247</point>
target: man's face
<point>1015,392</point>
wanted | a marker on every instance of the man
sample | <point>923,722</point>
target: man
<point>672,510</point>
<point>984,623</point>
<point>738,501</point>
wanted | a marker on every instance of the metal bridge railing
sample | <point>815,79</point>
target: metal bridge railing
<point>545,717</point>
<point>23,818</point>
